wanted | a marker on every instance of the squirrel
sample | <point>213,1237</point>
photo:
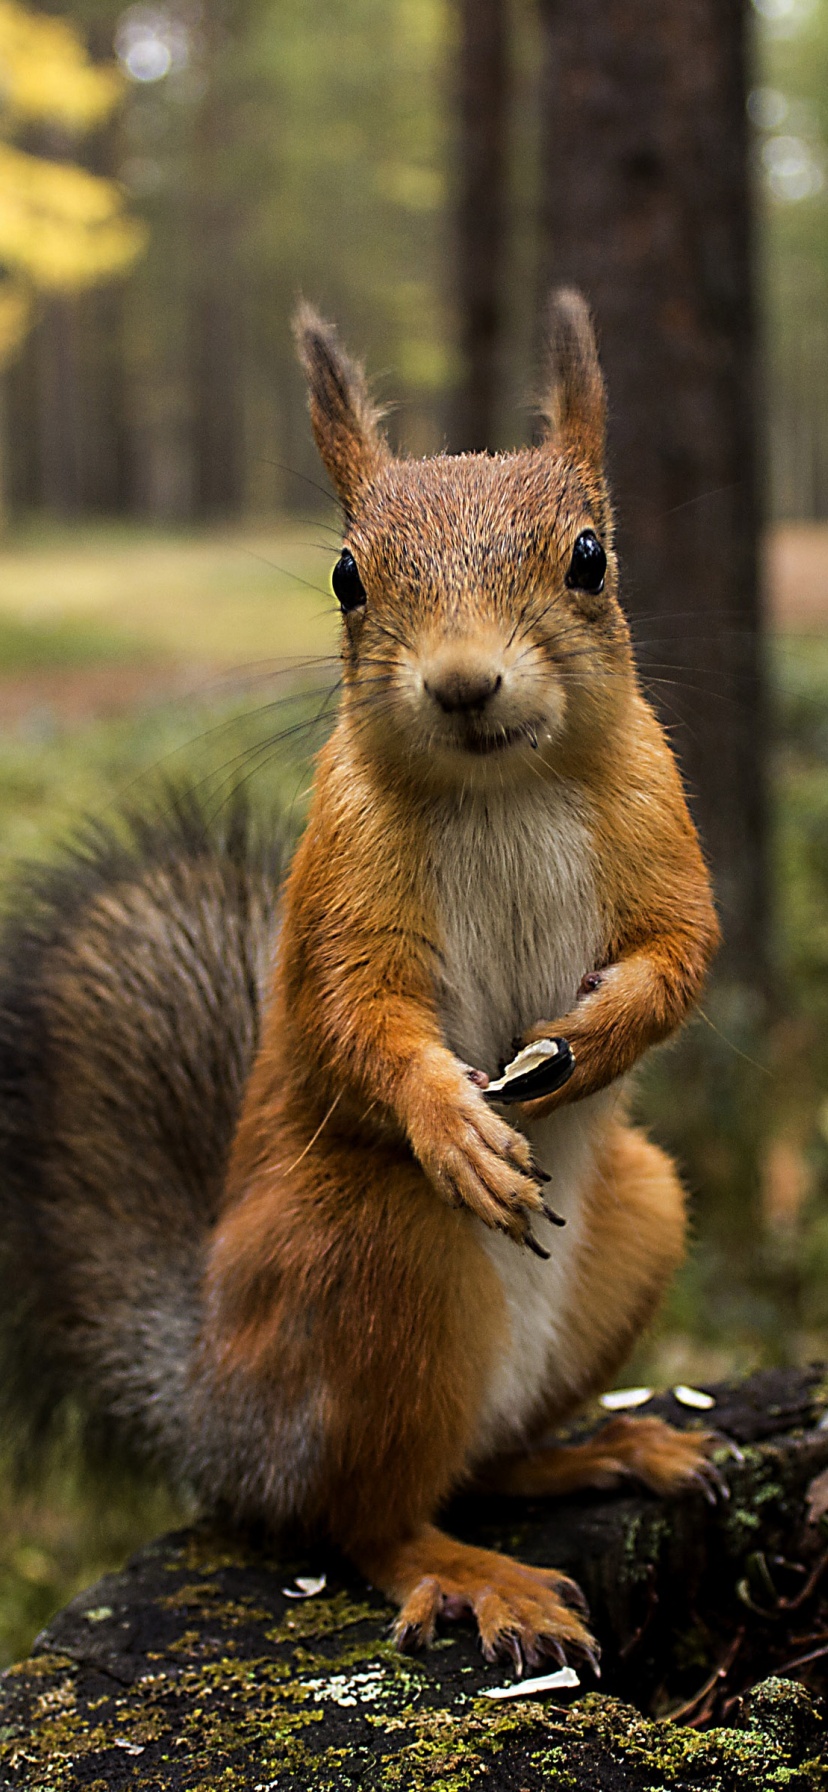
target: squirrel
<point>258,1213</point>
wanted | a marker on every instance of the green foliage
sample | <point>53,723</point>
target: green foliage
<point>743,1099</point>
<point>62,228</point>
<point>297,149</point>
<point>54,1544</point>
<point>48,645</point>
<point>789,110</point>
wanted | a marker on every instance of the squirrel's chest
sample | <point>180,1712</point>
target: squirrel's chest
<point>518,920</point>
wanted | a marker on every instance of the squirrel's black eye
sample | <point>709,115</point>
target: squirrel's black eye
<point>587,568</point>
<point>347,584</point>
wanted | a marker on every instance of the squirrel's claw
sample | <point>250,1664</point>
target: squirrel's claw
<point>572,1595</point>
<point>509,1645</point>
<point>530,1240</point>
<point>711,1482</point>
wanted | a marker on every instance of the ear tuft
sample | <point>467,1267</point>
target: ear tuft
<point>575,406</point>
<point>345,420</point>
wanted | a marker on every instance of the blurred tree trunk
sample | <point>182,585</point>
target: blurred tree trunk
<point>4,454</point>
<point>646,208</point>
<point>482,104</point>
<point>217,427</point>
<point>58,398</point>
<point>218,441</point>
<point>108,449</point>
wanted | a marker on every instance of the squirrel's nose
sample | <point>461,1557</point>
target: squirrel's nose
<point>457,689</point>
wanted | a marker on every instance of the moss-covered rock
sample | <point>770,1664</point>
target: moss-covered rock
<point>194,1670</point>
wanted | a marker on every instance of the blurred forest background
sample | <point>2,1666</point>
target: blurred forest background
<point>171,178</point>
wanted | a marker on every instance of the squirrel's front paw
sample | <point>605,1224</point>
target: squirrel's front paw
<point>474,1159</point>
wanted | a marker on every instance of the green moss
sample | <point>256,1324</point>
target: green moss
<point>745,1760</point>
<point>448,1750</point>
<point>645,1538</point>
<point>204,1550</point>
<point>754,1485</point>
<point>322,1617</point>
<point>785,1711</point>
<point>321,1701</point>
<point>211,1601</point>
<point>221,1717</point>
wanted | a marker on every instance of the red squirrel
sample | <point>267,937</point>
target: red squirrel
<point>299,1254</point>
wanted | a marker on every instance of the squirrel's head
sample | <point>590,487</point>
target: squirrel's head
<point>481,622</point>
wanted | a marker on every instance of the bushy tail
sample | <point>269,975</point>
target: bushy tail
<point>131,982</point>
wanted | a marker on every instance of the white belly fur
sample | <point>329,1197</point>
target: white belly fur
<point>520,926</point>
<point>537,1361</point>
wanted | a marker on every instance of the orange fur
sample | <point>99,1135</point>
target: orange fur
<point>522,1611</point>
<point>349,1277</point>
<point>662,929</point>
<point>663,1458</point>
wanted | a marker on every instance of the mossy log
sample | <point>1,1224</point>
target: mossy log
<point>192,1669</point>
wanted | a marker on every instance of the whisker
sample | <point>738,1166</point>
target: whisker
<point>390,633</point>
<point>249,672</point>
<point>257,756</point>
<point>717,491</point>
<point>202,741</point>
<point>286,574</point>
<point>283,467</point>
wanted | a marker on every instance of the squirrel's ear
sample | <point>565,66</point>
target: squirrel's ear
<point>344,418</point>
<point>575,405</point>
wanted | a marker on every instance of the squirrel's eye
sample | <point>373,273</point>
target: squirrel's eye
<point>347,584</point>
<point>587,568</point>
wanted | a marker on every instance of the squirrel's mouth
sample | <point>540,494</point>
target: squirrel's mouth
<point>480,740</point>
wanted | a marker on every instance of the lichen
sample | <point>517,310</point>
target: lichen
<point>263,1725</point>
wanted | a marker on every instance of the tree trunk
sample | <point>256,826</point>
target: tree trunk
<point>217,379</point>
<point>193,1668</point>
<point>482,98</point>
<point>217,229</point>
<point>58,393</point>
<point>646,208</point>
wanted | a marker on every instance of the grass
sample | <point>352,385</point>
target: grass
<point>57,1540</point>
<point>126,655</point>
<point>120,657</point>
<point>52,774</point>
<point>216,598</point>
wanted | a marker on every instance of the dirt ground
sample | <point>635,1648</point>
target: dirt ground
<point>72,695</point>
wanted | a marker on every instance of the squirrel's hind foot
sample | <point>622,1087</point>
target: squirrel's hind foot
<point>666,1460</point>
<point>524,1614</point>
